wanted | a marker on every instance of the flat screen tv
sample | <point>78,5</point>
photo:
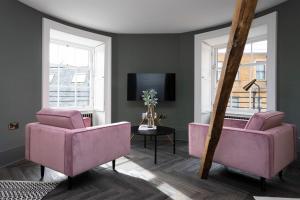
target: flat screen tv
<point>163,83</point>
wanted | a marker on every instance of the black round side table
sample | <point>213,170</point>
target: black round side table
<point>160,130</point>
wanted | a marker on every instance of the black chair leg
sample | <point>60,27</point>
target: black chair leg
<point>114,165</point>
<point>263,184</point>
<point>42,171</point>
<point>69,182</point>
<point>280,174</point>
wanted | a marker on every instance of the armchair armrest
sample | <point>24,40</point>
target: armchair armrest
<point>93,146</point>
<point>283,145</point>
<point>45,145</point>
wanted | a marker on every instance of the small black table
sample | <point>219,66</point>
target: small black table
<point>160,130</point>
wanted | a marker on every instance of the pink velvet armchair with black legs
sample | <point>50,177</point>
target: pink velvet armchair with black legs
<point>262,146</point>
<point>61,141</point>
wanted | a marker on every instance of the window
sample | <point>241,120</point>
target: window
<point>51,76</point>
<point>258,62</point>
<point>220,64</point>
<point>252,66</point>
<point>234,102</point>
<point>76,70</point>
<point>261,72</point>
<point>73,68</point>
<point>79,78</point>
<point>219,70</point>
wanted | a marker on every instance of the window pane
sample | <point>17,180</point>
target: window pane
<point>247,48</point>
<point>260,47</point>
<point>79,78</point>
<point>54,54</point>
<point>252,67</point>
<point>219,69</point>
<point>70,74</point>
<point>260,72</point>
<point>51,76</point>
<point>83,96</point>
<point>235,102</point>
<point>222,51</point>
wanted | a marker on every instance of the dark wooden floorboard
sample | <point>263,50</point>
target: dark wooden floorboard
<point>174,177</point>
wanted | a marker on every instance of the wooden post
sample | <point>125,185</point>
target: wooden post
<point>241,23</point>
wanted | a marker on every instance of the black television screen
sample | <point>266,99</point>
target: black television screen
<point>164,84</point>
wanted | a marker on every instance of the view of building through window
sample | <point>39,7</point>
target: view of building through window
<point>69,76</point>
<point>253,66</point>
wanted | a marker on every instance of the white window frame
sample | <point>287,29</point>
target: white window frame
<point>270,20</point>
<point>47,26</point>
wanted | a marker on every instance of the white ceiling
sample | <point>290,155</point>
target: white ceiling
<point>143,16</point>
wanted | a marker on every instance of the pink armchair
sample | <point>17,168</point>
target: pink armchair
<point>262,146</point>
<point>60,141</point>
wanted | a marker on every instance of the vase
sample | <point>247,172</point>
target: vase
<point>150,116</point>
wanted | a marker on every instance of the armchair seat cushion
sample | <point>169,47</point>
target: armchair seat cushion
<point>69,119</point>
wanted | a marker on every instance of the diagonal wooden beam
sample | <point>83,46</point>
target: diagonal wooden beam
<point>241,23</point>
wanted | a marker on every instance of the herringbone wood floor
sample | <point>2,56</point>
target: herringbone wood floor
<point>174,177</point>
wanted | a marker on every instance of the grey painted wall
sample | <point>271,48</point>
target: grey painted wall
<point>20,74</point>
<point>288,74</point>
<point>149,54</point>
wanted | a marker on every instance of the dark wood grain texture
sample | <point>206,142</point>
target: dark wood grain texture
<point>241,23</point>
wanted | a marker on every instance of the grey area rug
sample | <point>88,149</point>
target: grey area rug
<point>25,190</point>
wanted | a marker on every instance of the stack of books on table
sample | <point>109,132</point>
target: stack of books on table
<point>145,127</point>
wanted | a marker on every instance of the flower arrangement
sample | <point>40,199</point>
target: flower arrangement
<point>149,97</point>
<point>150,100</point>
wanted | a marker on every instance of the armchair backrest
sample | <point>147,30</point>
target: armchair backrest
<point>69,119</point>
<point>265,120</point>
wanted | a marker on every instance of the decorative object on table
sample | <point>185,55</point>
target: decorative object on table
<point>150,100</point>
<point>25,190</point>
<point>248,86</point>
<point>157,119</point>
<point>145,127</point>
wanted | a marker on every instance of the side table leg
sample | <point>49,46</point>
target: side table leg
<point>145,140</point>
<point>155,149</point>
<point>174,140</point>
<point>132,136</point>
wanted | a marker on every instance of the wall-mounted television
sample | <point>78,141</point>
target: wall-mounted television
<point>163,83</point>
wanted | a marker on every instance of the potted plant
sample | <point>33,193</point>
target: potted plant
<point>150,100</point>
